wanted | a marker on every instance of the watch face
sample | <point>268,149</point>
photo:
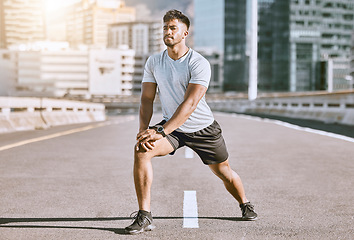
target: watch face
<point>161,131</point>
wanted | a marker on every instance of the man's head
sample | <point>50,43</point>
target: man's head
<point>175,28</point>
<point>175,14</point>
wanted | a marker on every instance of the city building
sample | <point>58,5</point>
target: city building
<point>222,26</point>
<point>8,70</point>
<point>67,72</point>
<point>87,21</point>
<point>143,37</point>
<point>301,37</point>
<point>111,72</point>
<point>298,40</point>
<point>137,75</point>
<point>21,22</point>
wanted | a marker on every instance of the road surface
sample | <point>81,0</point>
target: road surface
<point>76,182</point>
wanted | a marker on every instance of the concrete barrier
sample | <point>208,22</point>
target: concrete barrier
<point>18,114</point>
<point>329,108</point>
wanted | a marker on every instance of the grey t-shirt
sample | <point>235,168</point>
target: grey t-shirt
<point>172,78</point>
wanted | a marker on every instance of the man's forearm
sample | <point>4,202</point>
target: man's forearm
<point>180,116</point>
<point>194,93</point>
<point>145,114</point>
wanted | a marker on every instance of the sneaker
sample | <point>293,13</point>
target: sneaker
<point>142,222</point>
<point>248,213</point>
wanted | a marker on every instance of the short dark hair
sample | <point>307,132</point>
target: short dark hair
<point>175,14</point>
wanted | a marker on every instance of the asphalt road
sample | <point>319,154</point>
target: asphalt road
<point>80,185</point>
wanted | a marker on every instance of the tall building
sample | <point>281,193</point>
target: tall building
<point>143,37</point>
<point>297,39</point>
<point>21,22</point>
<point>87,21</point>
<point>300,37</point>
<point>222,25</point>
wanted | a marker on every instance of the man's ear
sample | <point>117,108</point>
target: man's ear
<point>185,34</point>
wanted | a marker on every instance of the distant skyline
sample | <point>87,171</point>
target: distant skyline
<point>52,5</point>
<point>155,6</point>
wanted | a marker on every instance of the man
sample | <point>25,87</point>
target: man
<point>182,77</point>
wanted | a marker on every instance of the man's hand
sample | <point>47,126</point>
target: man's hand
<point>147,138</point>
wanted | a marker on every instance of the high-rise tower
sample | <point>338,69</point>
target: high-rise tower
<point>87,21</point>
<point>296,40</point>
<point>21,22</point>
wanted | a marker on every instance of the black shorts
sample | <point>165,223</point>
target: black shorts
<point>208,143</point>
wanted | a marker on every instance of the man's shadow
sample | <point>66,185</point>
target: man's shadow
<point>4,222</point>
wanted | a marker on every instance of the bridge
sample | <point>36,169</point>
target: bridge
<point>76,182</point>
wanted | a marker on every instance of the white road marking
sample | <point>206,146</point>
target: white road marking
<point>188,153</point>
<point>190,210</point>
<point>59,134</point>
<point>296,127</point>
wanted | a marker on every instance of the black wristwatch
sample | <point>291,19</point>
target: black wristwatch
<point>160,130</point>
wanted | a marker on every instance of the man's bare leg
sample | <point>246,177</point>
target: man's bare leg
<point>234,186</point>
<point>231,180</point>
<point>143,173</point>
<point>143,176</point>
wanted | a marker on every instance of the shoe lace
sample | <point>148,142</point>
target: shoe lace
<point>139,218</point>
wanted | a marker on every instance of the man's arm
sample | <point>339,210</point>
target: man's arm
<point>192,97</point>
<point>193,94</point>
<point>146,105</point>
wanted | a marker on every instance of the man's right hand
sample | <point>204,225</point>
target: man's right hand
<point>146,139</point>
<point>147,146</point>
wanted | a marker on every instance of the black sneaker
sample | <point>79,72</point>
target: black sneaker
<point>248,213</point>
<point>142,222</point>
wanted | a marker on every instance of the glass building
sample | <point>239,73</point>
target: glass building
<point>296,40</point>
<point>221,26</point>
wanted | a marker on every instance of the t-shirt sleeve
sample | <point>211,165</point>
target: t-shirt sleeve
<point>200,72</point>
<point>148,71</point>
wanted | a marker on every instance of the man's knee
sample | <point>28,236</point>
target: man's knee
<point>141,154</point>
<point>222,170</point>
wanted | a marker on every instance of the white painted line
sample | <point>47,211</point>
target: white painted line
<point>190,210</point>
<point>59,134</point>
<point>188,153</point>
<point>296,127</point>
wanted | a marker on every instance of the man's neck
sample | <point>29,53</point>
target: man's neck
<point>176,52</point>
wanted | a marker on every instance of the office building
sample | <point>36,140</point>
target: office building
<point>21,22</point>
<point>297,39</point>
<point>67,72</point>
<point>111,72</point>
<point>301,37</point>
<point>222,26</point>
<point>87,21</point>
<point>143,37</point>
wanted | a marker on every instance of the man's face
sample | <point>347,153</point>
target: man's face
<point>174,32</point>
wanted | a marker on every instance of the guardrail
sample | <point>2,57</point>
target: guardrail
<point>18,114</point>
<point>329,108</point>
